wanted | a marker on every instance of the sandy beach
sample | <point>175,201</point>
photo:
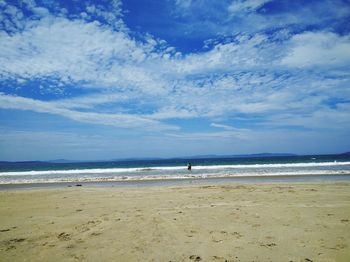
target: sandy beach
<point>214,222</point>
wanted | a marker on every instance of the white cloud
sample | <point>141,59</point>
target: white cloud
<point>145,83</point>
<point>117,119</point>
<point>232,78</point>
<point>227,127</point>
<point>89,101</point>
<point>318,49</point>
<point>227,18</point>
<point>71,48</point>
<point>225,135</point>
<point>112,14</point>
<point>184,4</point>
<point>324,118</point>
<point>241,7</point>
<point>279,86</point>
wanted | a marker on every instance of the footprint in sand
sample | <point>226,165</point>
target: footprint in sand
<point>64,236</point>
<point>10,247</point>
<point>10,243</point>
<point>236,234</point>
<point>268,245</point>
<point>17,240</point>
<point>219,237</point>
<point>195,258</point>
<point>87,226</point>
<point>70,246</point>
<point>95,234</point>
<point>4,230</point>
<point>78,257</point>
<point>222,259</point>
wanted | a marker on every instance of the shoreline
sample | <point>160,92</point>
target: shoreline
<point>179,181</point>
<point>231,221</point>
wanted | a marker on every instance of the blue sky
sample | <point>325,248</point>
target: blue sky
<point>115,79</point>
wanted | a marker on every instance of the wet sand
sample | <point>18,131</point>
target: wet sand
<point>215,222</point>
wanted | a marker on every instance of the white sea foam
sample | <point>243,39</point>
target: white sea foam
<point>169,168</point>
<point>174,177</point>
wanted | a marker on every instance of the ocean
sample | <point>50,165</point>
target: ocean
<point>175,169</point>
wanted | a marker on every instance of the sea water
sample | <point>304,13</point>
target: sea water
<point>174,169</point>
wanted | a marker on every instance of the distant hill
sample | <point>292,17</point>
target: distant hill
<point>345,154</point>
<point>240,156</point>
<point>269,155</point>
<point>206,156</point>
<point>63,161</point>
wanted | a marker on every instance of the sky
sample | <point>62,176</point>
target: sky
<point>93,80</point>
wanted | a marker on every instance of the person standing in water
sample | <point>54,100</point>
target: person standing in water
<point>189,166</point>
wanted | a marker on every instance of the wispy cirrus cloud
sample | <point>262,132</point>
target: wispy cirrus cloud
<point>117,120</point>
<point>215,83</point>
<point>268,67</point>
<point>242,7</point>
<point>226,18</point>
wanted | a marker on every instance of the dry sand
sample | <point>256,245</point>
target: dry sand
<point>231,222</point>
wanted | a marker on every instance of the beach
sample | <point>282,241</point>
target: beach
<point>295,221</point>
